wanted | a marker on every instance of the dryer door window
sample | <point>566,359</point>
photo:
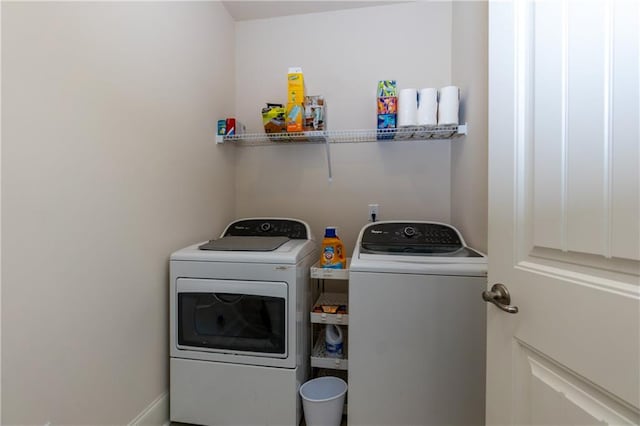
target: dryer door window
<point>233,319</point>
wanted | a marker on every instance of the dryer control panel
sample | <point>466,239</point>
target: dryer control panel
<point>410,237</point>
<point>267,228</point>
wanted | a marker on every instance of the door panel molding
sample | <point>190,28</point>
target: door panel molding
<point>591,261</point>
<point>552,387</point>
<point>565,122</point>
<point>608,128</point>
<point>627,289</point>
<point>625,111</point>
<point>586,212</point>
<point>523,134</point>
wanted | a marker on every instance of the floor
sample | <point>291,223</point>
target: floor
<point>342,423</point>
<point>303,423</point>
<point>316,373</point>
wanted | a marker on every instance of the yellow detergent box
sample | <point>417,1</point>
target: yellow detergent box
<point>295,117</point>
<point>295,86</point>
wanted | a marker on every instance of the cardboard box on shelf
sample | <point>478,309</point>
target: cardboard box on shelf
<point>273,118</point>
<point>387,121</point>
<point>314,113</point>
<point>386,126</point>
<point>295,114</point>
<point>295,86</point>
<point>222,131</point>
<point>388,105</point>
<point>234,127</point>
<point>222,127</point>
<point>387,88</point>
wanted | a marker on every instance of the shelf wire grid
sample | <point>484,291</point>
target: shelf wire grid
<point>350,136</point>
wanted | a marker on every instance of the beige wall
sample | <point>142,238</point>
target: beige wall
<point>469,155</point>
<point>108,165</point>
<point>343,55</point>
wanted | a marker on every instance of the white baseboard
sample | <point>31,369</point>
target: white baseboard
<point>156,413</point>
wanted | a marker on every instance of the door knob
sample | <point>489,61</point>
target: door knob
<point>499,296</point>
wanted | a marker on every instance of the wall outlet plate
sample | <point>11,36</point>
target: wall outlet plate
<point>374,214</point>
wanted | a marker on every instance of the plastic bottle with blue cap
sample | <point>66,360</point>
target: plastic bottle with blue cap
<point>332,255</point>
<point>333,341</point>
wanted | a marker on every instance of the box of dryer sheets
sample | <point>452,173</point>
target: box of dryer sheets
<point>295,86</point>
<point>314,113</point>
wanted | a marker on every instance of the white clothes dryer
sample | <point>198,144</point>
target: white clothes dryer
<point>416,327</point>
<point>239,314</point>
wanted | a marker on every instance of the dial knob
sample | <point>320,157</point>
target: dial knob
<point>409,231</point>
<point>264,227</point>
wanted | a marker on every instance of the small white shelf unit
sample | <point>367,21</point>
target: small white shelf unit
<point>319,357</point>
<point>412,133</point>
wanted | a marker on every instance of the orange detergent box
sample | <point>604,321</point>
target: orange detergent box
<point>295,86</point>
<point>295,117</point>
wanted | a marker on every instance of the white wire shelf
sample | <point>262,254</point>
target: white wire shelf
<point>350,136</point>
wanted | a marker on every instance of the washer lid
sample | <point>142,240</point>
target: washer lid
<point>270,240</point>
<point>245,243</point>
<point>291,252</point>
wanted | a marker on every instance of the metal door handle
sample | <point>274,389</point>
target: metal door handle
<point>499,296</point>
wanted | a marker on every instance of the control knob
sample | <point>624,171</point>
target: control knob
<point>265,226</point>
<point>409,231</point>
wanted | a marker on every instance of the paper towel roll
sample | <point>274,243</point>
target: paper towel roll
<point>428,107</point>
<point>449,104</point>
<point>408,108</point>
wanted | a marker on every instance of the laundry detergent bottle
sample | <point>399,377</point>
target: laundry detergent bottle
<point>332,250</point>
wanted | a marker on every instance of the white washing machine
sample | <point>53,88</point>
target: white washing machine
<point>239,314</point>
<point>416,327</point>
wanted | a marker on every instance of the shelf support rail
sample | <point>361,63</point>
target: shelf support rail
<point>326,143</point>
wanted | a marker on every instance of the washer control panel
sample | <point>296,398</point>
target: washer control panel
<point>409,237</point>
<point>293,229</point>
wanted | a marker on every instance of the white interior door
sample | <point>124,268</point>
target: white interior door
<point>564,214</point>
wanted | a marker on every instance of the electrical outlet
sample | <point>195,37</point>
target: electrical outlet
<point>374,215</point>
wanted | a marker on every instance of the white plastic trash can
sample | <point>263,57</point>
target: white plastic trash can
<point>322,401</point>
